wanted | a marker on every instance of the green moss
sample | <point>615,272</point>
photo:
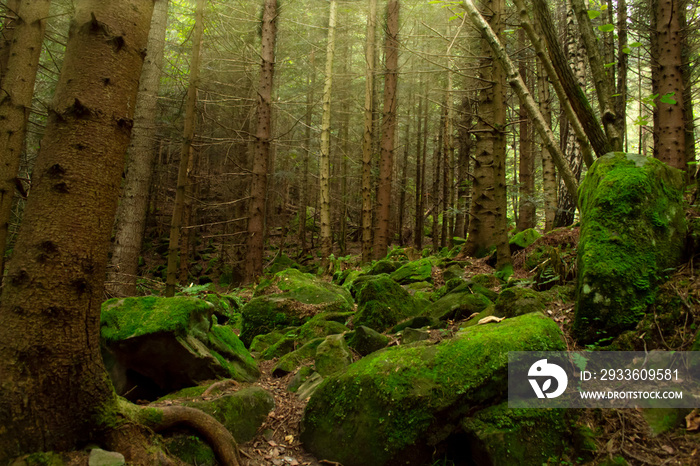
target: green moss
<point>382,303</point>
<point>515,301</point>
<point>44,458</point>
<point>457,306</point>
<point>388,400</point>
<point>189,392</point>
<point>417,271</point>
<point>123,318</point>
<point>191,449</point>
<point>262,342</point>
<point>523,239</point>
<point>290,361</point>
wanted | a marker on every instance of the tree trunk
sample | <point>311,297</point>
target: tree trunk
<point>526,213</point>
<point>54,389</point>
<point>187,137</point>
<point>391,47</point>
<point>10,10</point>
<point>17,91</point>
<point>622,68</point>
<point>367,134</point>
<point>437,163</point>
<point>549,175</point>
<point>688,114</point>
<point>261,147</point>
<point>667,83</point>
<point>308,119</point>
<point>131,213</point>
<point>463,182</point>
<point>404,177</point>
<point>421,136</point>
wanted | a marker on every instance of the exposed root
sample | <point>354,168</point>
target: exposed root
<point>220,439</point>
<point>220,386</point>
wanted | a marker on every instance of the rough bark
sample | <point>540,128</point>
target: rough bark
<point>421,137</point>
<point>16,103</point>
<point>437,198</point>
<point>367,134</point>
<point>325,158</point>
<point>10,11</point>
<point>304,188</point>
<point>261,144</point>
<point>688,112</point>
<point>133,205</point>
<point>622,68</point>
<point>386,166</point>
<point>549,175</point>
<point>404,177</point>
<point>464,154</point>
<point>526,173</point>
<point>53,384</point>
<point>187,137</point>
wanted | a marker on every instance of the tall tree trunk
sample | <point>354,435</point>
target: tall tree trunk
<point>391,52</point>
<point>10,10</point>
<point>54,389</point>
<point>131,213</point>
<point>187,137</point>
<point>261,148</point>
<point>688,113</point>
<point>16,103</point>
<point>622,68</point>
<point>437,164</point>
<point>549,175</point>
<point>526,174</point>
<point>308,119</point>
<point>463,182</point>
<point>667,82</point>
<point>325,158</point>
<point>404,176</point>
<point>421,136</point>
<point>367,134</point>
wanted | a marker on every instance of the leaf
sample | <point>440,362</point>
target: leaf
<point>606,27</point>
<point>593,14</point>
<point>609,65</point>
<point>635,44</point>
<point>603,7</point>
<point>692,421</point>
<point>668,99</point>
<point>626,50</point>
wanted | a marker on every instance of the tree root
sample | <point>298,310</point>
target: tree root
<point>220,439</point>
<point>220,385</point>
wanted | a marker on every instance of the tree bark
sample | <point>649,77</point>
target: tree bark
<point>549,175</point>
<point>133,205</point>
<point>421,136</point>
<point>526,173</point>
<point>187,137</point>
<point>622,68</point>
<point>308,119</point>
<point>261,146</point>
<point>53,384</point>
<point>367,134</point>
<point>11,8</point>
<point>16,103</point>
<point>463,182</point>
<point>386,167</point>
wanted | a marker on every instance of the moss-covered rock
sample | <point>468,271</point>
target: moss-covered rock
<point>44,458</point>
<point>364,340</point>
<point>398,403</point>
<point>302,297</point>
<point>516,301</point>
<point>412,335</point>
<point>384,266</point>
<point>262,342</point>
<point>523,239</point>
<point>299,378</point>
<point>153,346</point>
<point>632,232</point>
<point>292,360</point>
<point>332,355</point>
<point>416,271</point>
<point>191,449</point>
<point>416,322</point>
<point>453,271</point>
<point>281,262</point>
<point>528,437</point>
<point>457,306</point>
<point>382,303</point>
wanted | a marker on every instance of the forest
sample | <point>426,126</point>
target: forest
<point>304,232</point>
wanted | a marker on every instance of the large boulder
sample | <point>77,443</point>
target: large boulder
<point>382,303</point>
<point>290,299</point>
<point>397,405</point>
<point>632,232</point>
<point>413,272</point>
<point>516,300</point>
<point>458,305</point>
<point>153,346</point>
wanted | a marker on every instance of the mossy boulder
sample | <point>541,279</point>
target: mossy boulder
<point>632,233</point>
<point>382,303</point>
<point>292,360</point>
<point>364,340</point>
<point>413,272</point>
<point>523,239</point>
<point>190,449</point>
<point>332,355</point>
<point>453,271</point>
<point>153,346</point>
<point>398,404</point>
<point>413,335</point>
<point>297,297</point>
<point>516,300</point>
<point>528,437</point>
<point>384,266</point>
<point>457,306</point>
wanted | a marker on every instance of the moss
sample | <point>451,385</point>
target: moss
<point>262,342</point>
<point>457,306</point>
<point>382,303</point>
<point>517,300</point>
<point>632,231</point>
<point>290,361</point>
<point>189,392</point>
<point>124,318</point>
<point>384,266</point>
<point>417,271</point>
<point>191,449</point>
<point>44,458</point>
<point>388,400</point>
<point>523,239</point>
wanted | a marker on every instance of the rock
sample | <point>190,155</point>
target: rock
<point>516,301</point>
<point>364,340</point>
<point>319,326</point>
<point>397,405</point>
<point>523,239</point>
<point>99,457</point>
<point>299,378</point>
<point>290,361</point>
<point>361,281</point>
<point>384,266</point>
<point>457,306</point>
<point>382,303</point>
<point>302,297</point>
<point>417,271</point>
<point>264,341</point>
<point>453,271</point>
<point>416,322</point>
<point>527,437</point>
<point>332,355</point>
<point>153,346</point>
<point>412,335</point>
<point>476,288</point>
<point>486,280</point>
<point>281,262</point>
<point>283,346</point>
<point>309,387</point>
<point>190,449</point>
<point>632,233</point>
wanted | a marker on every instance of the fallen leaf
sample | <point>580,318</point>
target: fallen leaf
<point>289,439</point>
<point>692,421</point>
<point>668,449</point>
<point>490,319</point>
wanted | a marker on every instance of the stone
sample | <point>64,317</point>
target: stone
<point>99,457</point>
<point>290,361</point>
<point>523,239</point>
<point>413,335</point>
<point>382,303</point>
<point>632,233</point>
<point>516,301</point>
<point>365,340</point>
<point>457,306</point>
<point>332,355</point>
<point>416,271</point>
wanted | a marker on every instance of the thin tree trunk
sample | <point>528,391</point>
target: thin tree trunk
<point>688,114</point>
<point>437,163</point>
<point>304,189</point>
<point>325,158</point>
<point>463,184</point>
<point>367,134</point>
<point>549,175</point>
<point>404,177</point>
<point>54,392</point>
<point>526,212</point>
<point>131,213</point>
<point>420,174</point>
<point>622,68</point>
<point>391,47</point>
<point>16,103</point>
<point>345,154</point>
<point>187,137</point>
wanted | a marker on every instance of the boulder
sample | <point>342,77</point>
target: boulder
<point>632,233</point>
<point>457,305</point>
<point>384,266</point>
<point>332,355</point>
<point>416,271</point>
<point>523,239</point>
<point>516,301</point>
<point>296,297</point>
<point>364,340</point>
<point>412,335</point>
<point>397,405</point>
<point>382,303</point>
<point>453,271</point>
<point>153,346</point>
<point>290,361</point>
<point>99,457</point>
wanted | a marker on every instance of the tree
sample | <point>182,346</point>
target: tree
<point>133,205</point>
<point>54,387</point>
<point>261,151</point>
<point>367,133</point>
<point>386,167</point>
<point>17,86</point>
<point>526,173</point>
<point>185,152</point>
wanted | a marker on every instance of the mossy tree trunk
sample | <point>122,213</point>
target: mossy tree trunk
<point>185,152</point>
<point>261,148</point>
<point>368,133</point>
<point>133,205</point>
<point>17,90</point>
<point>53,382</point>
<point>386,164</point>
